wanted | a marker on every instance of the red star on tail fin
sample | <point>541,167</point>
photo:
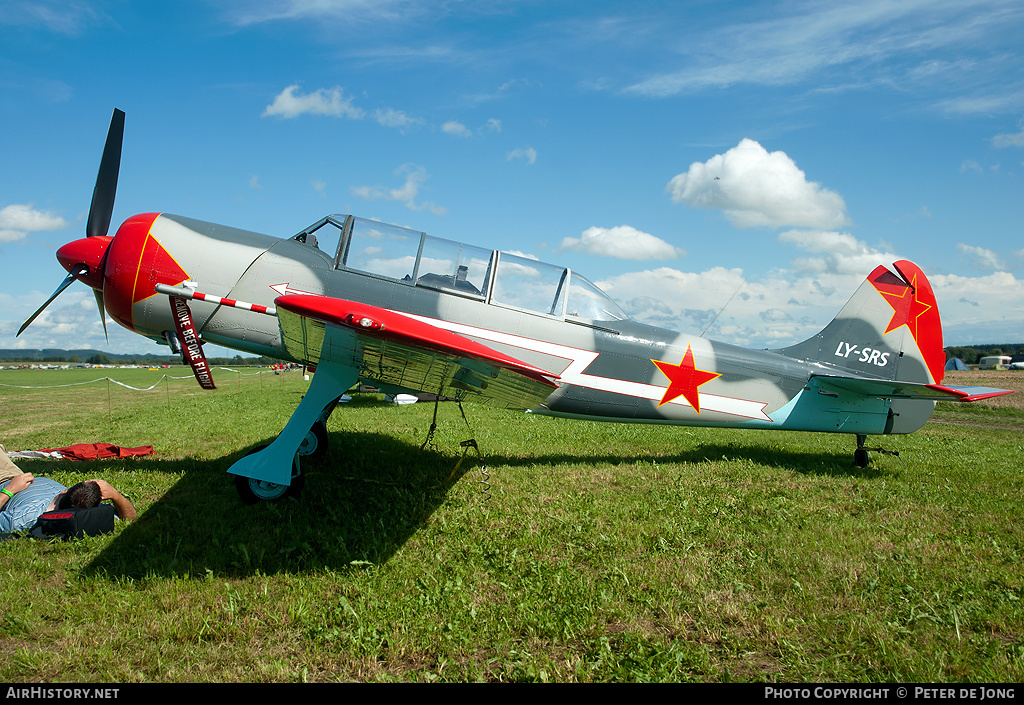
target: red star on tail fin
<point>913,305</point>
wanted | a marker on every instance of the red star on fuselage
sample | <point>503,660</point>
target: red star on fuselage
<point>684,379</point>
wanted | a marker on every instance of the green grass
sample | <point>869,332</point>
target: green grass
<point>593,552</point>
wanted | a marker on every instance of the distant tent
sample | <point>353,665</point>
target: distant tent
<point>955,363</point>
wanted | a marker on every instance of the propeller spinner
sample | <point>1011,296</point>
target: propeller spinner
<point>84,259</point>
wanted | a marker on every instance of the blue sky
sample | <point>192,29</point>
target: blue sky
<point>685,156</point>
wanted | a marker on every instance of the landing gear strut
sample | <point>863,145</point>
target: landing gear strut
<point>269,473</point>
<point>860,456</point>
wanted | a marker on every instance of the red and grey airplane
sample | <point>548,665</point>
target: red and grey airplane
<point>367,302</point>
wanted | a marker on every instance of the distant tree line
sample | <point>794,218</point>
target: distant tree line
<point>971,354</point>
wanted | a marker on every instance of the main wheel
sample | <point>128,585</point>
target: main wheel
<point>860,457</point>
<point>314,445</point>
<point>252,490</point>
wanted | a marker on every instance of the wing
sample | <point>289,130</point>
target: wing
<point>906,390</point>
<point>390,348</point>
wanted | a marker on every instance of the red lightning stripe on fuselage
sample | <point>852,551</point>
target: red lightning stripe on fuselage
<point>580,359</point>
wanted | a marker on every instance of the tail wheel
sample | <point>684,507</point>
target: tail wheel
<point>314,445</point>
<point>252,490</point>
<point>860,457</point>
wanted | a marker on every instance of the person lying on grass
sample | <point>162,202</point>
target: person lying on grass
<point>23,497</point>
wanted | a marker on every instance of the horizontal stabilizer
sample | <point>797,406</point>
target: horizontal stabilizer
<point>905,390</point>
<point>973,393</point>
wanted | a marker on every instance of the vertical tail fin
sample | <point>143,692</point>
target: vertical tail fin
<point>890,329</point>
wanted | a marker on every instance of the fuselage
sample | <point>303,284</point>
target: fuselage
<point>610,367</point>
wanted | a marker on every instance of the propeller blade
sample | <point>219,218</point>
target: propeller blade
<point>102,207</point>
<point>103,313</point>
<point>79,270</point>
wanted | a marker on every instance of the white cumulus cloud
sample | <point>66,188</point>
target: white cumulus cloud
<point>406,194</point>
<point>529,154</point>
<point>18,220</point>
<point>1009,140</point>
<point>997,318</point>
<point>621,242</point>
<point>779,309</point>
<point>836,253</point>
<point>331,102</point>
<point>754,187</point>
<point>981,257</point>
<point>970,166</point>
<point>454,127</point>
<point>458,129</point>
<point>389,117</point>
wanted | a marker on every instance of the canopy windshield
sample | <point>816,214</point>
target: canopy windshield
<point>418,259</point>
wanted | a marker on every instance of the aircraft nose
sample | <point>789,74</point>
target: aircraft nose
<point>88,251</point>
<point>135,263</point>
<point>121,269</point>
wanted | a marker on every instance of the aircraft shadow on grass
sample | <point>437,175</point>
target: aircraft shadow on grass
<point>362,501</point>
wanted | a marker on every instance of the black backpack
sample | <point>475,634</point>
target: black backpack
<point>74,522</point>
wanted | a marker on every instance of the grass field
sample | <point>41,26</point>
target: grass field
<point>587,552</point>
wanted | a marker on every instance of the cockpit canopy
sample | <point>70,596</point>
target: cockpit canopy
<point>418,259</point>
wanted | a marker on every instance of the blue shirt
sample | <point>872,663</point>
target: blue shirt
<point>22,510</point>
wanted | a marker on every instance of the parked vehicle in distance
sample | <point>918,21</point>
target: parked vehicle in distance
<point>994,362</point>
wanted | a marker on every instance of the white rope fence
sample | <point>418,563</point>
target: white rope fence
<point>128,386</point>
<point>163,378</point>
